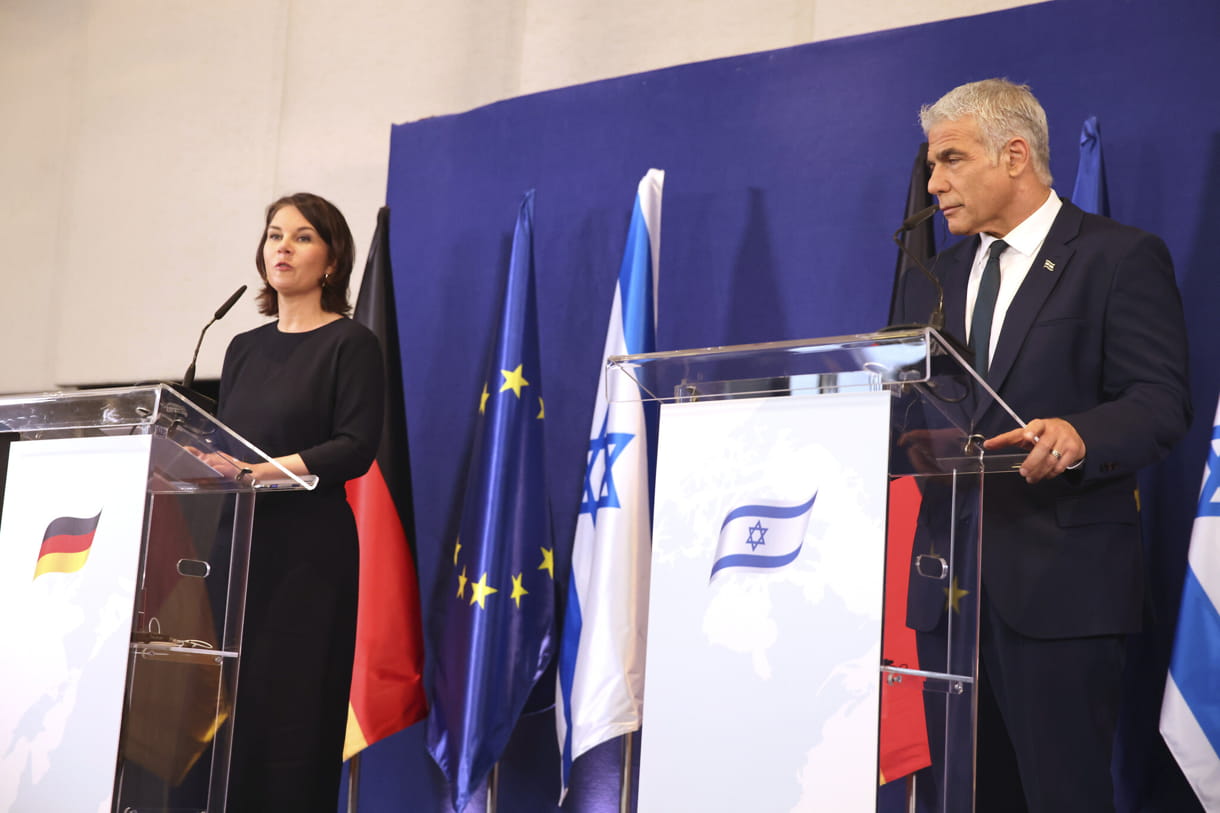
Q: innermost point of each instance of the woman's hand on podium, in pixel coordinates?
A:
(223, 464)
(240, 470)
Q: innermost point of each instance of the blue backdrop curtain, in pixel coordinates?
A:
(786, 173)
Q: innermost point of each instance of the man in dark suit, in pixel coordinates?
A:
(1077, 325)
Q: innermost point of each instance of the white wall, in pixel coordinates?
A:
(141, 139)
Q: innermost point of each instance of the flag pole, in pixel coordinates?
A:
(624, 799)
(353, 783)
(493, 788)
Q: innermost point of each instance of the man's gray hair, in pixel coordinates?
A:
(1002, 110)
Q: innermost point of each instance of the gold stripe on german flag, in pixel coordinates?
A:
(66, 544)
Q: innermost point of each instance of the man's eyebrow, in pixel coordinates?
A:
(947, 152)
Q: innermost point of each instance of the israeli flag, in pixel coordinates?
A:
(601, 661)
(1190, 710)
(761, 537)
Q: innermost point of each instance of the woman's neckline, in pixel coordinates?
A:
(280, 329)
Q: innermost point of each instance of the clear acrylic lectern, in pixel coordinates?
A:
(160, 733)
(936, 401)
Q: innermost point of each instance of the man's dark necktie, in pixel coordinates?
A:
(984, 307)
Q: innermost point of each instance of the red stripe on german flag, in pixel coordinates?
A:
(66, 544)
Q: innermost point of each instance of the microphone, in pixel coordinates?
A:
(937, 318)
(188, 380)
(917, 218)
(228, 305)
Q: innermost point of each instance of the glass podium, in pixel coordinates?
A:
(169, 694)
(936, 399)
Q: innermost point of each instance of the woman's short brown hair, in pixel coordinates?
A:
(328, 222)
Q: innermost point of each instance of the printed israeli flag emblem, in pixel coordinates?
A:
(761, 537)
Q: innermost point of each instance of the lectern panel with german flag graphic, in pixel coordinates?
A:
(124, 540)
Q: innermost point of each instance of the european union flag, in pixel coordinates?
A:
(497, 630)
(1090, 191)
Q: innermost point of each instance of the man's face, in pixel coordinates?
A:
(974, 193)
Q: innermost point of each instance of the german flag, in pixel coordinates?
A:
(66, 544)
(387, 693)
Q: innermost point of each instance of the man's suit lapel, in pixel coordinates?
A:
(1050, 264)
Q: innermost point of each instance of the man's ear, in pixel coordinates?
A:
(1015, 156)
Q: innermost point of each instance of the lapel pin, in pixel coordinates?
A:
(1048, 265)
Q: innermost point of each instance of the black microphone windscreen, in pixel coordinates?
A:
(229, 303)
(919, 217)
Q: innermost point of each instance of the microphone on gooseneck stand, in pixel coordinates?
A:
(937, 317)
(188, 380)
(915, 219)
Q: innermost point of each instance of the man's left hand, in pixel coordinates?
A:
(1053, 444)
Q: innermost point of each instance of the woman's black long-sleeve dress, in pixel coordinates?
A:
(318, 394)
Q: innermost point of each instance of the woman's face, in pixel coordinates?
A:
(294, 255)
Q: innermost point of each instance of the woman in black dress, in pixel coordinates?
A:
(307, 390)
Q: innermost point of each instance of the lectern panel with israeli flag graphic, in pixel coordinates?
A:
(124, 542)
(765, 668)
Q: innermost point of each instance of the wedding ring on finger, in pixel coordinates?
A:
(1055, 453)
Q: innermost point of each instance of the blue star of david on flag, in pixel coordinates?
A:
(600, 492)
(743, 528)
(1208, 504)
(762, 535)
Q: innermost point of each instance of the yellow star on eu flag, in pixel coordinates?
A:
(483, 399)
(514, 380)
(518, 590)
(462, 583)
(953, 595)
(480, 590)
(548, 561)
